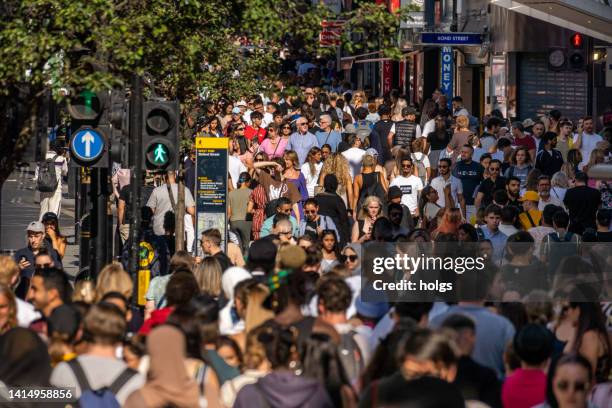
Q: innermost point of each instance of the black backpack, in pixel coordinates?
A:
(47, 176)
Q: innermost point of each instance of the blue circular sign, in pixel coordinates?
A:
(87, 145)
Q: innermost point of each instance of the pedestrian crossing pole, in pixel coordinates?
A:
(135, 151)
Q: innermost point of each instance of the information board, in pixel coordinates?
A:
(211, 185)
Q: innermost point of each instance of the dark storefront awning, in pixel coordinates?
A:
(590, 17)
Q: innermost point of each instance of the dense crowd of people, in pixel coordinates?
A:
(276, 317)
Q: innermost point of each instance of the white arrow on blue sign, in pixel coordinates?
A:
(87, 145)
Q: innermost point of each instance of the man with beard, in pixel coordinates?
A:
(549, 160)
(445, 178)
(513, 189)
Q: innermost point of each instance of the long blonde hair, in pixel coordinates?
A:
(338, 165)
(208, 275)
(12, 305)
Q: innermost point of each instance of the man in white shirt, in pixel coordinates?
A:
(586, 140)
(458, 109)
(410, 185)
(445, 178)
(354, 155)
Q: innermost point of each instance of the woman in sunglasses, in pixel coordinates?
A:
(569, 383)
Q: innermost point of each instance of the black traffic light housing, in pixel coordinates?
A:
(160, 141)
(87, 110)
(577, 58)
(119, 111)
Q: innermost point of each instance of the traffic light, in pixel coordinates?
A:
(89, 128)
(119, 111)
(577, 56)
(160, 139)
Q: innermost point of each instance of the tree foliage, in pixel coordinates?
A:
(182, 47)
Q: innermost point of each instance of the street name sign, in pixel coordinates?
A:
(443, 39)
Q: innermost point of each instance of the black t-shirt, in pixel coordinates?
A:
(383, 127)
(582, 203)
(488, 187)
(311, 229)
(470, 176)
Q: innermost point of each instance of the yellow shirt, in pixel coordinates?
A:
(536, 215)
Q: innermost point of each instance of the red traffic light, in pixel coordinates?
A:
(577, 40)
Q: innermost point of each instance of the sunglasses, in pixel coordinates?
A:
(286, 127)
(240, 128)
(42, 266)
(310, 211)
(352, 258)
(406, 165)
(302, 124)
(578, 386)
(493, 168)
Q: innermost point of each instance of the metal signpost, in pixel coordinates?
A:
(211, 185)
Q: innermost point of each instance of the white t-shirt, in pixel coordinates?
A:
(410, 186)
(267, 119)
(26, 313)
(354, 155)
(439, 183)
(429, 127)
(234, 168)
(311, 180)
(589, 142)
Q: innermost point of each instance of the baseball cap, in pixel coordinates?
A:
(236, 111)
(408, 110)
(36, 226)
(373, 310)
(372, 152)
(528, 123)
(530, 196)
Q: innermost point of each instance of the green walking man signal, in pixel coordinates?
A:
(160, 152)
(158, 155)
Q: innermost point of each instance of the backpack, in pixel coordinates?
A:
(47, 176)
(351, 356)
(363, 131)
(104, 397)
(421, 170)
(556, 253)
